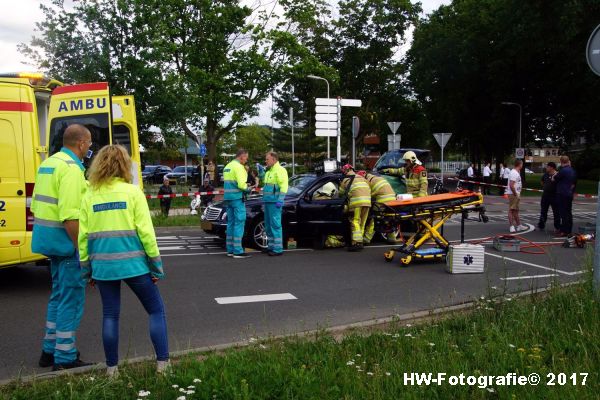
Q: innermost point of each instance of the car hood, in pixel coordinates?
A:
(256, 200)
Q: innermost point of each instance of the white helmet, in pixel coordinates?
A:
(410, 155)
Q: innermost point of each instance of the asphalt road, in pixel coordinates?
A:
(330, 287)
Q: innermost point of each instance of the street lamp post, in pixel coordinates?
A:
(327, 82)
(510, 103)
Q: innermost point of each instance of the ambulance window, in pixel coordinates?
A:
(122, 136)
(96, 123)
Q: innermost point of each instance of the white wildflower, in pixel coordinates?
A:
(190, 392)
(351, 362)
(432, 344)
(262, 346)
(181, 398)
(512, 346)
(370, 373)
(387, 374)
(143, 393)
(175, 386)
(196, 380)
(191, 387)
(491, 390)
(181, 390)
(358, 355)
(252, 340)
(408, 335)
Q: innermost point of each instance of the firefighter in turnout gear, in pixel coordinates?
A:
(359, 204)
(415, 172)
(381, 192)
(59, 187)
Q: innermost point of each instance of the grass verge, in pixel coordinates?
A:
(551, 333)
(176, 220)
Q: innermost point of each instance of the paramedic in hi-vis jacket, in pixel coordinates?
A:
(235, 187)
(117, 243)
(59, 187)
(359, 204)
(274, 191)
(416, 174)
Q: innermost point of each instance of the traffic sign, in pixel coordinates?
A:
(326, 117)
(326, 132)
(593, 51)
(326, 109)
(321, 101)
(520, 152)
(442, 138)
(355, 127)
(394, 126)
(351, 103)
(326, 124)
(203, 150)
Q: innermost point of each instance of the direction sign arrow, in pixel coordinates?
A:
(326, 110)
(326, 132)
(442, 138)
(320, 101)
(593, 51)
(394, 126)
(326, 125)
(326, 117)
(351, 103)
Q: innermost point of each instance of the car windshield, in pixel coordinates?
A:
(150, 168)
(298, 183)
(181, 169)
(390, 159)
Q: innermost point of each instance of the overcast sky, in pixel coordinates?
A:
(17, 25)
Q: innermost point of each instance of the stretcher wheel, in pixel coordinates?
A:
(485, 219)
(406, 260)
(389, 255)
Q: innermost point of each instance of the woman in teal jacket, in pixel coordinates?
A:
(117, 243)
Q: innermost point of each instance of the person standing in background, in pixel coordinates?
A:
(514, 198)
(504, 176)
(165, 202)
(487, 178)
(549, 198)
(566, 180)
(274, 191)
(470, 177)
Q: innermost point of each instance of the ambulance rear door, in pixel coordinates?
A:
(125, 132)
(87, 104)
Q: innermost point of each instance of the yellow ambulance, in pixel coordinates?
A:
(34, 113)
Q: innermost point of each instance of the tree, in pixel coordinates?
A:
(472, 55)
(254, 138)
(193, 64)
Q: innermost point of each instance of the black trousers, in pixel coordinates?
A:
(165, 207)
(486, 189)
(565, 210)
(547, 202)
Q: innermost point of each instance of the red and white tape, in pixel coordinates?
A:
(190, 194)
(587, 196)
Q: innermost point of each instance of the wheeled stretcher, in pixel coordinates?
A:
(429, 213)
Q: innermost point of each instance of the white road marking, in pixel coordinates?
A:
(528, 277)
(531, 264)
(255, 299)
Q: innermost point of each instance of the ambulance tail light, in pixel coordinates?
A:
(28, 213)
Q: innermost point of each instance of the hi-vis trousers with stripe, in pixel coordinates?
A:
(358, 220)
(65, 308)
(236, 221)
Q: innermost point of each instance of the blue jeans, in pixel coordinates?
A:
(65, 308)
(148, 294)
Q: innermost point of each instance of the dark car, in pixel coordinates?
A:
(393, 159)
(312, 209)
(178, 175)
(155, 173)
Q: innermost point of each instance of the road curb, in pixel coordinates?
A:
(335, 330)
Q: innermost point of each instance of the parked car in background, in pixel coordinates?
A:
(528, 171)
(154, 173)
(178, 175)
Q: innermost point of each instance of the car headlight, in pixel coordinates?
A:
(224, 217)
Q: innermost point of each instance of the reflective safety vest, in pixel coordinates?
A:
(416, 179)
(359, 192)
(116, 236)
(275, 184)
(59, 186)
(234, 180)
(381, 190)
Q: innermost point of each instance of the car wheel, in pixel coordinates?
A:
(257, 236)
